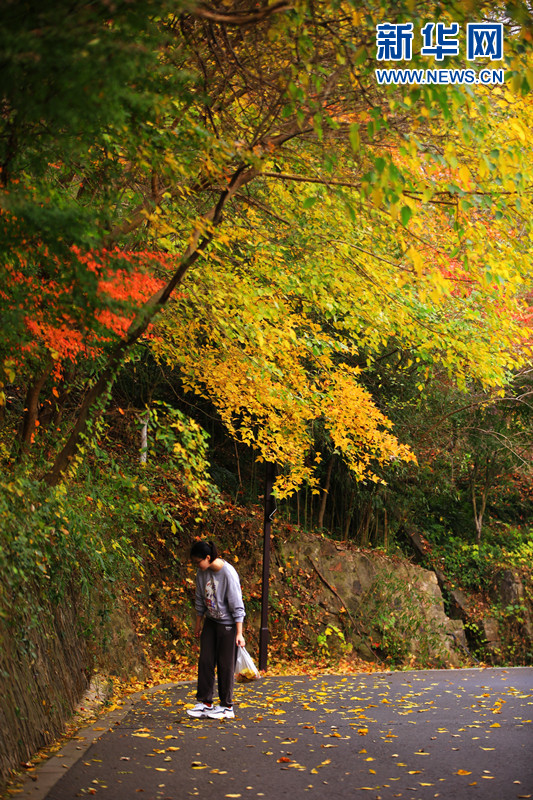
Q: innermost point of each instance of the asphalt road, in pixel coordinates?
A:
(453, 734)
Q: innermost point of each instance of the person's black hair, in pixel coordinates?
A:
(201, 549)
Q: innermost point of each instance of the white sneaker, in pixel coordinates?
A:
(200, 710)
(221, 712)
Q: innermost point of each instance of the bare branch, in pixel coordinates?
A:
(248, 18)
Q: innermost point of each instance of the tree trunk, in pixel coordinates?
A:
(365, 524)
(252, 479)
(144, 436)
(348, 522)
(479, 508)
(325, 492)
(478, 515)
(239, 487)
(31, 413)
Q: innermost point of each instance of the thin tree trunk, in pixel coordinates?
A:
(347, 523)
(144, 436)
(478, 514)
(479, 510)
(31, 412)
(325, 492)
(239, 487)
(252, 479)
(349, 515)
(367, 516)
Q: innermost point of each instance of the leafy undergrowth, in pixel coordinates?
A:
(495, 578)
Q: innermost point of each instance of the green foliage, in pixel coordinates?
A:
(521, 555)
(55, 540)
(332, 641)
(472, 566)
(89, 535)
(79, 73)
(514, 623)
(481, 570)
(186, 445)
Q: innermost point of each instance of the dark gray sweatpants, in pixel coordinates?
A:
(217, 649)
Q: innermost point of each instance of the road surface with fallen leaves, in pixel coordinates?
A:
(453, 734)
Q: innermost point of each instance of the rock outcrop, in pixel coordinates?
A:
(389, 603)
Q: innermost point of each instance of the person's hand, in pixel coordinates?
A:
(239, 640)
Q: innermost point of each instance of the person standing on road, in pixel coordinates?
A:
(219, 618)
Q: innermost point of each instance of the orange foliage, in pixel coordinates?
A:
(124, 281)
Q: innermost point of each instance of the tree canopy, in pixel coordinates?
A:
(309, 216)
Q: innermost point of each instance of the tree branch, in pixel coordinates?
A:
(250, 17)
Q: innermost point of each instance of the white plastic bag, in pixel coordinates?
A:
(245, 669)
